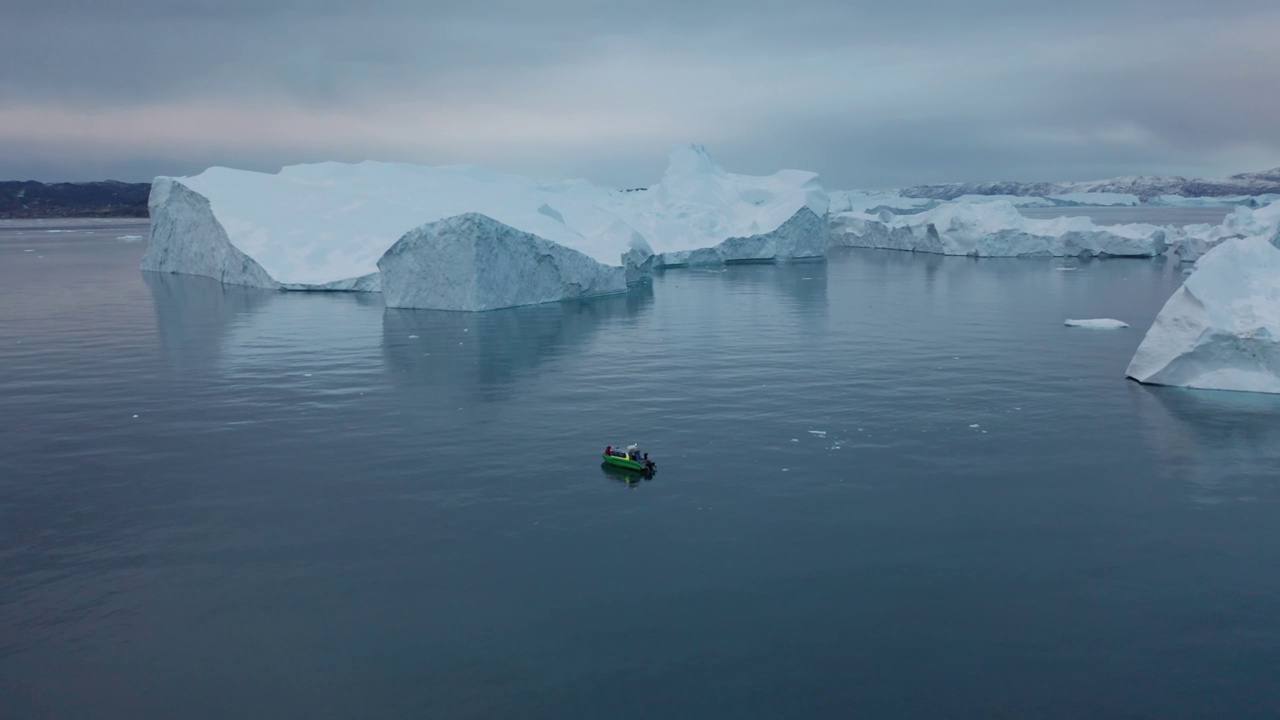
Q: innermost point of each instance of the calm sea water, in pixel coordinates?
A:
(890, 486)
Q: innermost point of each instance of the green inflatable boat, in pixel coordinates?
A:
(629, 459)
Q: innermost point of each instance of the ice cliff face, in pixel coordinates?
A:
(993, 229)
(187, 238)
(473, 262)
(1221, 329)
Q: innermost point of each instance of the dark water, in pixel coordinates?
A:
(890, 486)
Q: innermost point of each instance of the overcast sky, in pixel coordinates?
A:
(868, 94)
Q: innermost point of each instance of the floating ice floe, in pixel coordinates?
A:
(1097, 324)
(1221, 329)
(994, 229)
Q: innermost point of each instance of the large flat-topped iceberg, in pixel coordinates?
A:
(324, 226)
(1221, 329)
(994, 229)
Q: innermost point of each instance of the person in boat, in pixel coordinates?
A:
(608, 450)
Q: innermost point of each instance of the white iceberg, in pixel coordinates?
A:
(1095, 199)
(698, 214)
(326, 226)
(994, 229)
(1221, 329)
(1191, 242)
(1097, 323)
(473, 262)
(1227, 200)
(873, 202)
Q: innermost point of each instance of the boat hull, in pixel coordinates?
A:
(624, 463)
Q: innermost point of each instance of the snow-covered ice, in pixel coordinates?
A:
(1097, 323)
(994, 229)
(1242, 200)
(326, 226)
(698, 214)
(1191, 242)
(1221, 329)
(872, 202)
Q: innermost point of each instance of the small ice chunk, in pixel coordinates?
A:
(1097, 324)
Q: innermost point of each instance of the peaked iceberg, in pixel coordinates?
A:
(698, 214)
(1221, 329)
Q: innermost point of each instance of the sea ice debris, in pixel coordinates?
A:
(1097, 323)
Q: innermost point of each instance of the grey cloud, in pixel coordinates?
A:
(1015, 82)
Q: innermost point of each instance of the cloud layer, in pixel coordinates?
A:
(870, 95)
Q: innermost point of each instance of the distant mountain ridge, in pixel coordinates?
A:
(108, 198)
(1144, 186)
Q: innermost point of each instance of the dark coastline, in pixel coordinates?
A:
(105, 199)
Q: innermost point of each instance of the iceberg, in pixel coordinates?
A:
(330, 226)
(698, 214)
(872, 202)
(1193, 241)
(473, 262)
(1228, 200)
(324, 226)
(1097, 323)
(994, 229)
(1098, 199)
(1221, 329)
